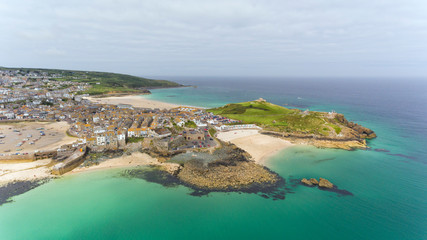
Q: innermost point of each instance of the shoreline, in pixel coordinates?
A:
(259, 146)
(135, 159)
(30, 175)
(134, 100)
(138, 100)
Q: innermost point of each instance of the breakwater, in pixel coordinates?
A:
(71, 162)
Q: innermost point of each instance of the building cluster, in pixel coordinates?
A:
(27, 95)
(36, 88)
(103, 126)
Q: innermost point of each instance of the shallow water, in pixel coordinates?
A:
(388, 186)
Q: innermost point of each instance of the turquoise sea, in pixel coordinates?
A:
(389, 184)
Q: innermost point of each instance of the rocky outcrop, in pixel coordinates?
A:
(314, 181)
(172, 168)
(362, 131)
(222, 177)
(307, 182)
(324, 183)
(227, 168)
(345, 143)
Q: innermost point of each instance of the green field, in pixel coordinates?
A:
(103, 82)
(277, 118)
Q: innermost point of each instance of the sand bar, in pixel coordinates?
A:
(259, 146)
(136, 101)
(24, 171)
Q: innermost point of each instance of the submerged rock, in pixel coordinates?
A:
(324, 183)
(15, 188)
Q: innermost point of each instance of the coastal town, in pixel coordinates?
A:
(36, 96)
(52, 123)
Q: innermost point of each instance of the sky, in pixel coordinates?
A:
(304, 38)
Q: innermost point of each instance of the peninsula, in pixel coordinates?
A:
(321, 129)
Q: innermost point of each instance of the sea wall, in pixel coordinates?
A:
(71, 162)
(26, 158)
(25, 120)
(29, 157)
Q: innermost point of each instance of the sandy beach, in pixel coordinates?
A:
(55, 136)
(136, 101)
(259, 146)
(133, 160)
(14, 171)
(28, 171)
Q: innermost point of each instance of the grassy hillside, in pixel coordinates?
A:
(277, 118)
(108, 82)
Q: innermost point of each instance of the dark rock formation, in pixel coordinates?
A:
(221, 177)
(362, 131)
(18, 187)
(228, 167)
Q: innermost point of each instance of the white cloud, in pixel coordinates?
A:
(53, 52)
(199, 37)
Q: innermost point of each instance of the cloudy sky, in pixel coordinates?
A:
(381, 38)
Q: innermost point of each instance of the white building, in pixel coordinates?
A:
(100, 140)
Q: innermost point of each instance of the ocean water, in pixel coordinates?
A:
(389, 188)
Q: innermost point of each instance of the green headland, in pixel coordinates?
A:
(101, 82)
(296, 124)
